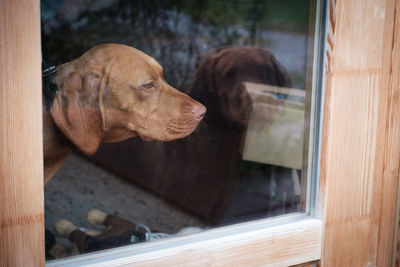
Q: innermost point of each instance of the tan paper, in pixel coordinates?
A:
(276, 128)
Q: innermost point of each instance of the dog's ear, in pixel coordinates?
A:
(199, 85)
(203, 80)
(281, 75)
(203, 87)
(77, 109)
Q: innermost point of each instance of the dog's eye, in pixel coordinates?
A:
(231, 74)
(148, 86)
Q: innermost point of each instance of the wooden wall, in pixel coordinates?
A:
(21, 158)
(360, 143)
(361, 129)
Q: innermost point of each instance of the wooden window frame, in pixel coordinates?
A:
(284, 241)
(359, 166)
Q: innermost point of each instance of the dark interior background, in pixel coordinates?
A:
(179, 35)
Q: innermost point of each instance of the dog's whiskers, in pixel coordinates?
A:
(179, 127)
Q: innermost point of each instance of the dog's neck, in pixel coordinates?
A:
(56, 147)
(49, 91)
(55, 151)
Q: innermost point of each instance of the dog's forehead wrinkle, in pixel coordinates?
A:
(141, 61)
(136, 77)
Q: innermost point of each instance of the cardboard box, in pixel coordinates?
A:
(275, 131)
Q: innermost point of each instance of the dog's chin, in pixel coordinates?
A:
(169, 135)
(146, 138)
(182, 134)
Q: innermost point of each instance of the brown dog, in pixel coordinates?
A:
(219, 82)
(111, 93)
(201, 172)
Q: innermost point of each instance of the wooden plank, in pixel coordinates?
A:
(392, 156)
(395, 117)
(360, 150)
(21, 158)
(283, 241)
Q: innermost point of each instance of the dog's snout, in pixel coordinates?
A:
(198, 111)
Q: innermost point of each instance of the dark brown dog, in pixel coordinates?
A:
(111, 93)
(219, 82)
(201, 172)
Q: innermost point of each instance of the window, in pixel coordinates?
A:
(257, 70)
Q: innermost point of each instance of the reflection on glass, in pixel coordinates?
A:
(245, 61)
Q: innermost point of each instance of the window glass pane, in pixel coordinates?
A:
(171, 117)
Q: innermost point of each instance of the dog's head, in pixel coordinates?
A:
(219, 82)
(114, 92)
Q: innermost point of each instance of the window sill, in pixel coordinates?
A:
(281, 241)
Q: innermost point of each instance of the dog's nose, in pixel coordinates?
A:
(199, 111)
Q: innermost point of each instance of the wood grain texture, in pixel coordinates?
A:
(21, 157)
(395, 114)
(392, 156)
(272, 242)
(360, 141)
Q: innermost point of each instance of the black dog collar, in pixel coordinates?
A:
(49, 91)
(49, 85)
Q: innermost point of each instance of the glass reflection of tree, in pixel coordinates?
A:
(175, 32)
